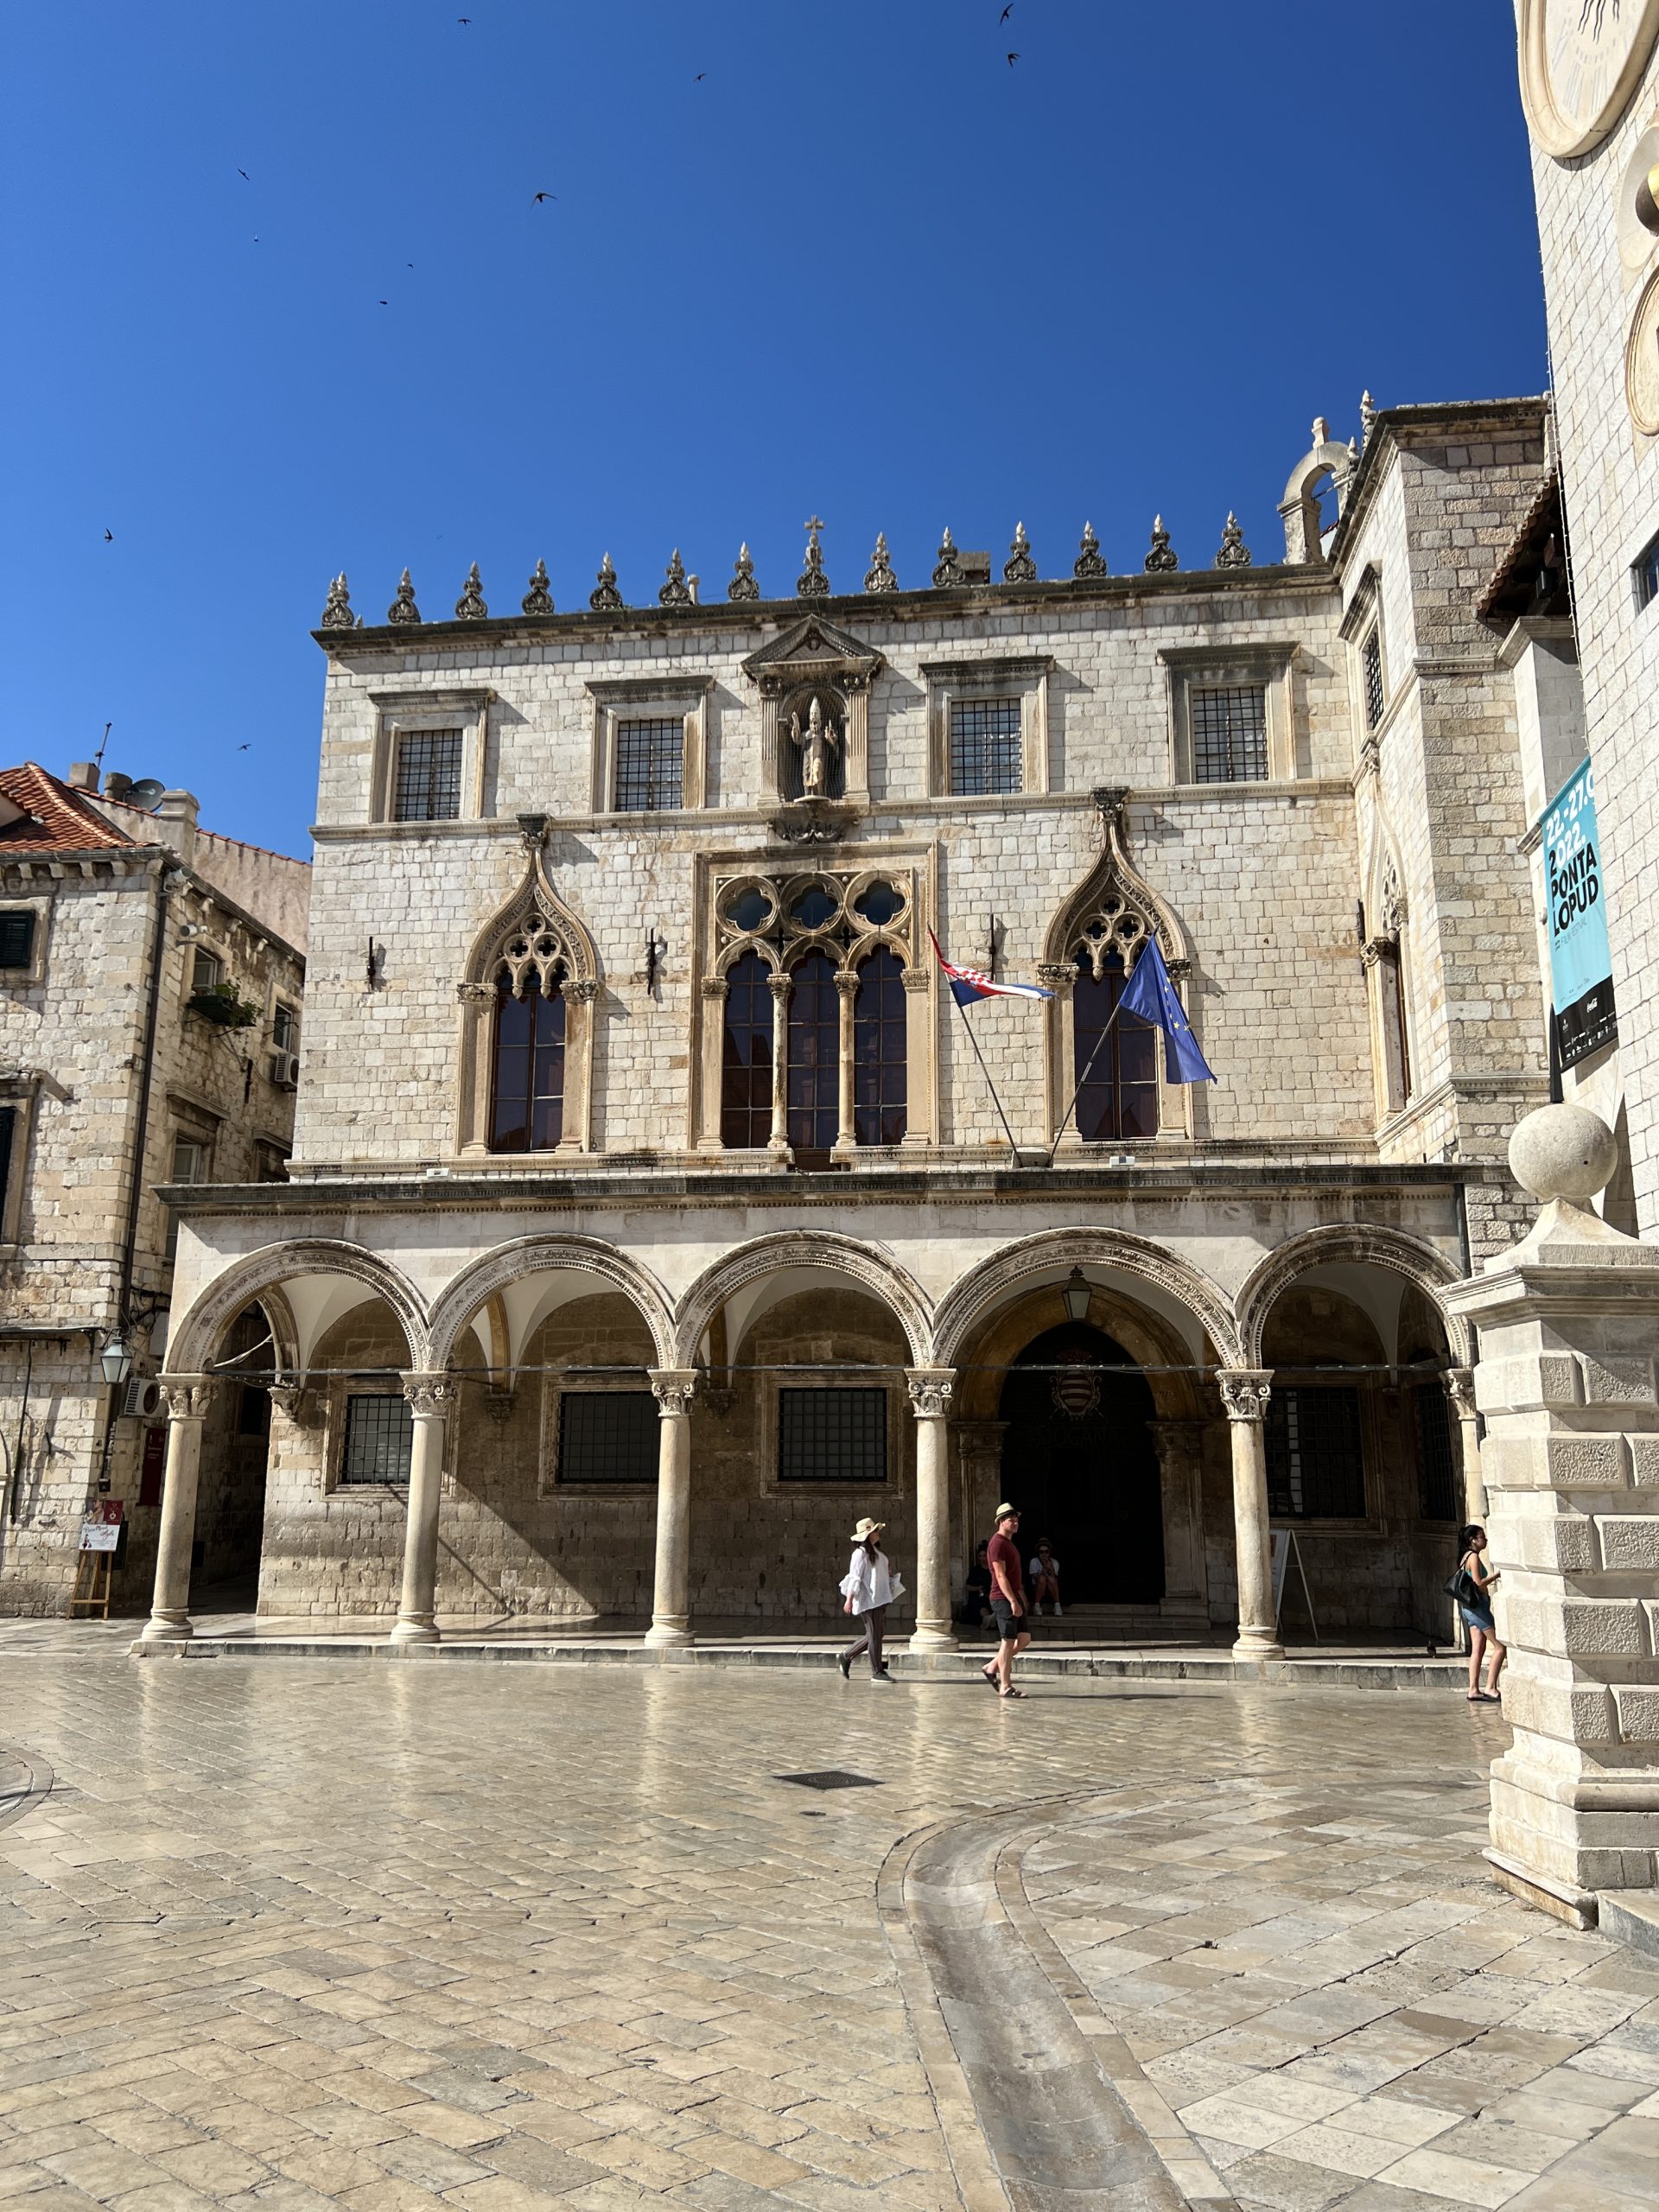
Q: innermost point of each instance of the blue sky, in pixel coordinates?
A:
(866, 267)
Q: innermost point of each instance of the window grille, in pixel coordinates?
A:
(379, 1438)
(607, 1436)
(985, 745)
(1437, 1486)
(812, 1076)
(1120, 1098)
(1644, 576)
(1315, 1470)
(746, 1069)
(880, 1033)
(527, 1103)
(16, 937)
(832, 1436)
(1229, 734)
(206, 971)
(650, 763)
(428, 776)
(1372, 664)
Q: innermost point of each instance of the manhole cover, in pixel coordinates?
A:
(831, 1778)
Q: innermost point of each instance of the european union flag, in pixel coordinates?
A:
(1150, 994)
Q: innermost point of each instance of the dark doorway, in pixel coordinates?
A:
(1078, 1461)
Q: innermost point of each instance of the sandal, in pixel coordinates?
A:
(989, 1675)
(1011, 1692)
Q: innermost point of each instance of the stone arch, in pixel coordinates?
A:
(190, 1346)
(1114, 878)
(534, 932)
(1364, 1243)
(973, 1297)
(990, 1345)
(1300, 508)
(824, 1251)
(461, 1299)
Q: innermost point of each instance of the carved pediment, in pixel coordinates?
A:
(814, 647)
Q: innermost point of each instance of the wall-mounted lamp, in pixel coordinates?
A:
(1076, 1295)
(116, 1361)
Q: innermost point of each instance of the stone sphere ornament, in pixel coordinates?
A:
(1563, 1151)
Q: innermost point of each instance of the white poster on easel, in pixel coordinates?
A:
(1285, 1548)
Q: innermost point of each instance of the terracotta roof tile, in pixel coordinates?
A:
(58, 820)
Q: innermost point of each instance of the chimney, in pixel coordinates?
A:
(115, 785)
(176, 817)
(976, 567)
(83, 776)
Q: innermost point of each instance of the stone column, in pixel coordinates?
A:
(780, 986)
(188, 1397)
(930, 1401)
(711, 1063)
(1460, 1384)
(1569, 1326)
(846, 999)
(1180, 1467)
(1244, 1392)
(670, 1603)
(429, 1397)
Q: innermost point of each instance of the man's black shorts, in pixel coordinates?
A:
(1009, 1624)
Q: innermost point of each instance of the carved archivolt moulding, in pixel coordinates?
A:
(1367, 1244)
(873, 1271)
(1113, 908)
(457, 1303)
(200, 1331)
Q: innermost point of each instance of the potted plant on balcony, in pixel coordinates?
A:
(220, 1004)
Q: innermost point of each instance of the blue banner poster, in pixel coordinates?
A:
(1580, 967)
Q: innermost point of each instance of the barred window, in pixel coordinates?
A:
(607, 1436)
(832, 1436)
(379, 1438)
(881, 1035)
(985, 745)
(650, 762)
(1314, 1468)
(527, 1101)
(1371, 657)
(1436, 1467)
(428, 776)
(17, 937)
(1229, 734)
(812, 1042)
(745, 1062)
(1114, 1062)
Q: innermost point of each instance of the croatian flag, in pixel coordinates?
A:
(968, 984)
(1150, 994)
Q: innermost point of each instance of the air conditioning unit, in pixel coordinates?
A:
(143, 1398)
(285, 1070)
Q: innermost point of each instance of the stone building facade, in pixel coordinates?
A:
(150, 992)
(652, 1214)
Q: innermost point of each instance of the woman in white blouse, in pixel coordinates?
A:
(868, 1587)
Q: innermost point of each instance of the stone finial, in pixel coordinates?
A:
(1019, 568)
(470, 606)
(1321, 431)
(1563, 1151)
(606, 599)
(1089, 563)
(947, 574)
(1160, 560)
(1234, 553)
(813, 584)
(403, 609)
(1367, 419)
(1353, 454)
(538, 600)
(743, 585)
(674, 590)
(879, 575)
(337, 613)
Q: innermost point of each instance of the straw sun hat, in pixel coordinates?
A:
(868, 1529)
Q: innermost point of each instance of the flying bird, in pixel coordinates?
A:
(701, 74)
(385, 303)
(1005, 13)
(243, 748)
(243, 173)
(1013, 58)
(540, 196)
(109, 537)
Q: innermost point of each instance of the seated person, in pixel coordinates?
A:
(1044, 1575)
(975, 1608)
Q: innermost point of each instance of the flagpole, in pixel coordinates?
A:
(1012, 1148)
(1089, 1069)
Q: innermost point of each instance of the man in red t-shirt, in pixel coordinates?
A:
(1007, 1601)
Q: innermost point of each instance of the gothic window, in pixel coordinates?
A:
(650, 763)
(427, 786)
(879, 1027)
(987, 745)
(527, 1105)
(1230, 733)
(745, 1067)
(1119, 1076)
(1315, 1470)
(1370, 662)
(812, 1061)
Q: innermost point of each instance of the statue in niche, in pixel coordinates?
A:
(818, 743)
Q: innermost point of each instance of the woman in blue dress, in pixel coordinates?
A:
(1475, 1604)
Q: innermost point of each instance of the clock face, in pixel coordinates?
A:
(1580, 62)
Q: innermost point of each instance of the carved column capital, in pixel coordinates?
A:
(297, 1402)
(474, 994)
(429, 1394)
(1060, 977)
(916, 979)
(780, 984)
(188, 1397)
(1376, 949)
(930, 1389)
(847, 982)
(1245, 1392)
(674, 1389)
(532, 831)
(714, 987)
(582, 988)
(1458, 1383)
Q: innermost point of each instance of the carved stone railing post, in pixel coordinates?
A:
(1569, 1329)
(429, 1399)
(670, 1605)
(188, 1397)
(930, 1401)
(1244, 1392)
